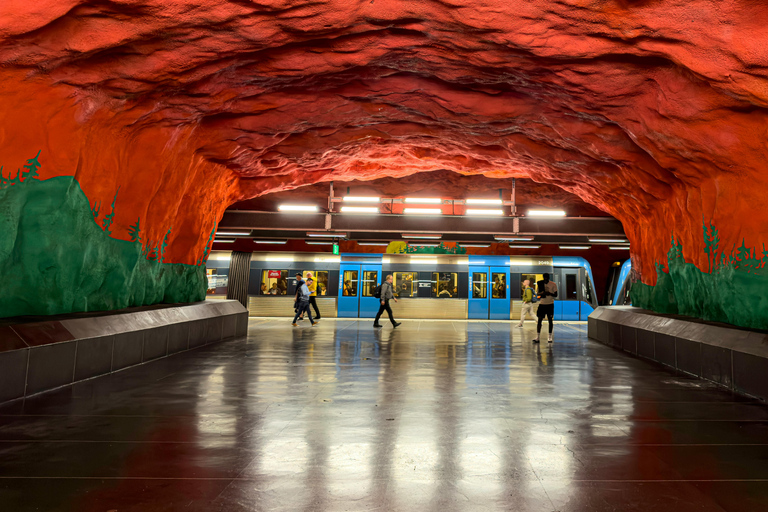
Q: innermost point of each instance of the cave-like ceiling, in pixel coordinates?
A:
(652, 111)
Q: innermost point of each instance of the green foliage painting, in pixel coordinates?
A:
(735, 290)
(59, 259)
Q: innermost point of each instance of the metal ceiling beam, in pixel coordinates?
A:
(276, 225)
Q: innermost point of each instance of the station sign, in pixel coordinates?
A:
(274, 273)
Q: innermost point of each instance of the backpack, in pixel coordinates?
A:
(377, 292)
(534, 297)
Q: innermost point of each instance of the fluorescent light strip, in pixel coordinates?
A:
(359, 199)
(297, 208)
(270, 241)
(426, 235)
(427, 244)
(224, 241)
(328, 235)
(484, 201)
(423, 200)
(623, 248)
(423, 211)
(513, 238)
(232, 233)
(546, 213)
(524, 246)
(474, 245)
(475, 211)
(576, 247)
(373, 243)
(608, 240)
(318, 242)
(359, 209)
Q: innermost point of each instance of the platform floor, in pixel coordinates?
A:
(432, 416)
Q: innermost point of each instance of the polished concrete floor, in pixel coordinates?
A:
(433, 416)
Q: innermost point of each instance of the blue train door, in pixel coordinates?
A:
(479, 293)
(568, 293)
(357, 284)
(500, 293)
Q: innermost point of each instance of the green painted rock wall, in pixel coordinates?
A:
(54, 258)
(735, 292)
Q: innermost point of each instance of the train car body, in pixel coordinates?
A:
(621, 296)
(427, 286)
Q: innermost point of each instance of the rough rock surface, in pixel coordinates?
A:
(653, 111)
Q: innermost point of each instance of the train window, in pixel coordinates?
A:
(321, 280)
(479, 285)
(586, 288)
(350, 283)
(370, 282)
(406, 284)
(274, 282)
(445, 285)
(532, 278)
(499, 290)
(571, 293)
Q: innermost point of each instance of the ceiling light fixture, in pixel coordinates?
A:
(297, 208)
(576, 247)
(423, 211)
(608, 240)
(423, 200)
(328, 235)
(476, 211)
(424, 235)
(318, 242)
(524, 246)
(270, 241)
(359, 209)
(506, 238)
(232, 233)
(474, 245)
(360, 199)
(224, 241)
(373, 243)
(546, 213)
(425, 244)
(484, 201)
(622, 248)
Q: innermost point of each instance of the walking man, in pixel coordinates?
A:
(304, 303)
(313, 293)
(527, 308)
(387, 294)
(297, 297)
(547, 292)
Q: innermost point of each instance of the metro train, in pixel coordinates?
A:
(427, 286)
(619, 283)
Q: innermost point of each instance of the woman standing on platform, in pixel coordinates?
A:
(547, 292)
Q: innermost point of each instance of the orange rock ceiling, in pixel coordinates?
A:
(652, 111)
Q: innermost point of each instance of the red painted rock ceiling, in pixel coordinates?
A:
(652, 111)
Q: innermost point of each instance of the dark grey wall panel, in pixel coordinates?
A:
(665, 349)
(94, 357)
(50, 366)
(213, 329)
(229, 327)
(128, 349)
(645, 343)
(13, 374)
(178, 337)
(155, 343)
(750, 374)
(716, 364)
(242, 324)
(688, 355)
(197, 331)
(629, 339)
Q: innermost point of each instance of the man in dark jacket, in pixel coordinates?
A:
(387, 294)
(297, 296)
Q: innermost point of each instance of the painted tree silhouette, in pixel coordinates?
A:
(711, 241)
(31, 167)
(107, 222)
(135, 231)
(164, 245)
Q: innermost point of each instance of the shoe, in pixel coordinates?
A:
(295, 324)
(536, 340)
(519, 325)
(396, 324)
(550, 339)
(314, 324)
(317, 317)
(377, 325)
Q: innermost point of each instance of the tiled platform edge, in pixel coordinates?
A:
(733, 358)
(43, 355)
